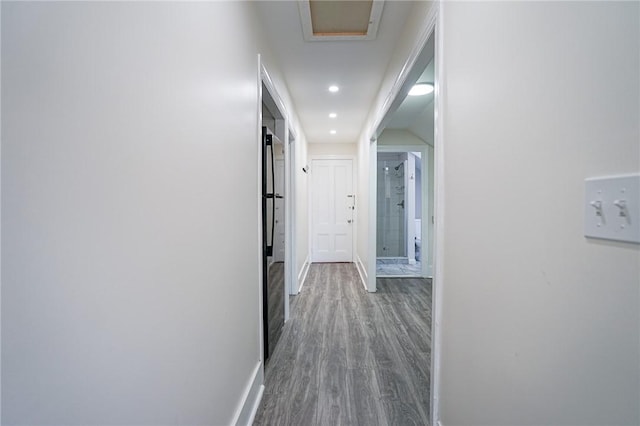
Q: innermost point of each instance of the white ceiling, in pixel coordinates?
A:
(415, 113)
(309, 68)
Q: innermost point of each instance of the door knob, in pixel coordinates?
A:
(349, 221)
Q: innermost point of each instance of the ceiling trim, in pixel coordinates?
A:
(304, 7)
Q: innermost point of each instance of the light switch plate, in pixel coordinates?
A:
(612, 208)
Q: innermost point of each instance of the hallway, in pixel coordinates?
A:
(351, 357)
(131, 268)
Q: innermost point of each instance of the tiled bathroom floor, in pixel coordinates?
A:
(395, 269)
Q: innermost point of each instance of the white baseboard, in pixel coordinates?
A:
(303, 273)
(256, 405)
(246, 412)
(362, 272)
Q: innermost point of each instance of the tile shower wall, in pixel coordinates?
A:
(391, 213)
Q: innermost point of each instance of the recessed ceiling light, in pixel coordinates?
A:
(333, 132)
(334, 88)
(333, 115)
(421, 89)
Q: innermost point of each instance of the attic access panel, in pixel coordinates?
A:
(335, 20)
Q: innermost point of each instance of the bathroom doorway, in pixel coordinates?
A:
(403, 172)
(399, 214)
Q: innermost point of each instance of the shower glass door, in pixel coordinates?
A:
(398, 213)
(391, 218)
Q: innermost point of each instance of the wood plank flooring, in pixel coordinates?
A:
(348, 357)
(275, 304)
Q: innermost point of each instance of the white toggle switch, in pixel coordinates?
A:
(622, 205)
(612, 208)
(597, 204)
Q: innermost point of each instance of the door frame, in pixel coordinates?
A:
(283, 125)
(281, 161)
(291, 275)
(354, 174)
(432, 26)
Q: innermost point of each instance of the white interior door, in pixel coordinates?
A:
(332, 210)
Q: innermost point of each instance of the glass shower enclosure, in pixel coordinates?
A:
(391, 222)
(398, 217)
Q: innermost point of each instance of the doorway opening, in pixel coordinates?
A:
(410, 124)
(274, 181)
(402, 160)
(399, 214)
(404, 225)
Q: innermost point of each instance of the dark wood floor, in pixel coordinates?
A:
(350, 357)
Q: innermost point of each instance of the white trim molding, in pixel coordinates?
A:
(259, 210)
(302, 276)
(439, 215)
(290, 216)
(265, 79)
(362, 271)
(372, 213)
(251, 398)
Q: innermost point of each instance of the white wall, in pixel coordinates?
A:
(399, 137)
(428, 216)
(0, 220)
(332, 149)
(423, 126)
(362, 206)
(540, 325)
(130, 286)
(302, 182)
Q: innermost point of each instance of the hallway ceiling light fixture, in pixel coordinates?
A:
(421, 89)
(333, 88)
(333, 115)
